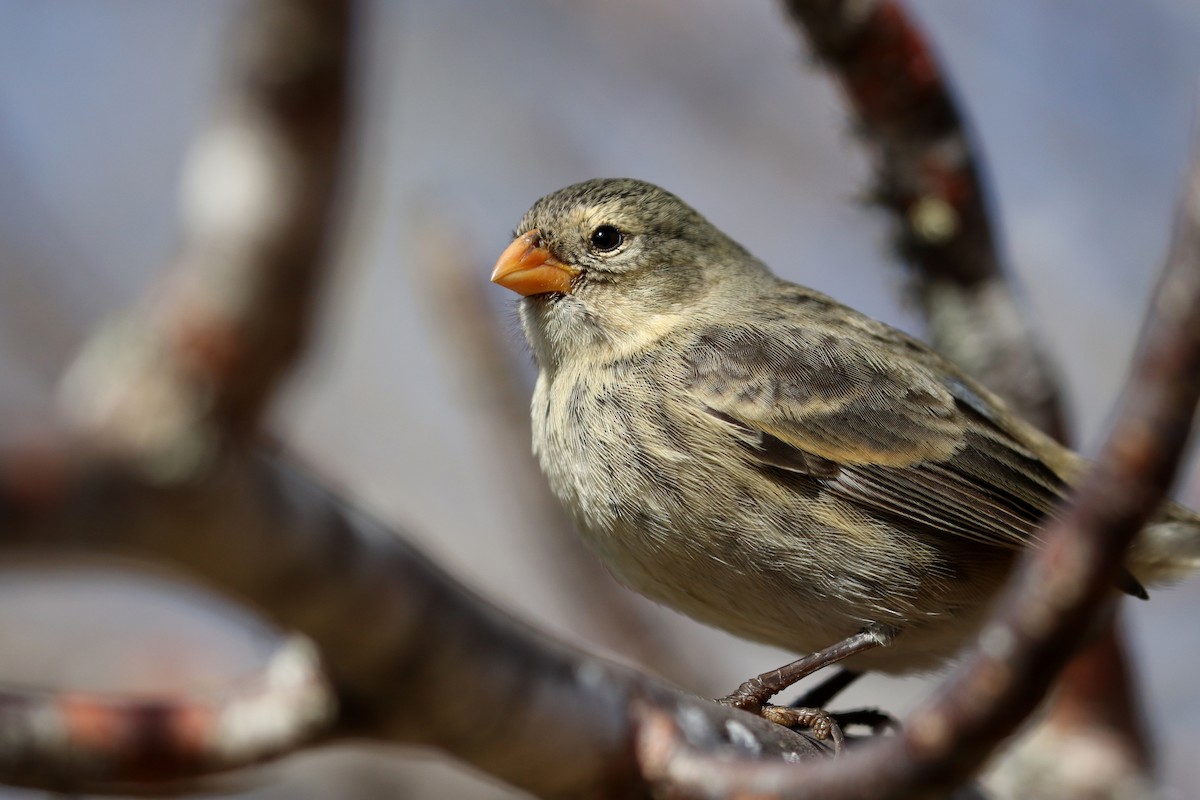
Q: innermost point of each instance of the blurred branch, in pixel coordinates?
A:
(1053, 601)
(1086, 722)
(928, 176)
(168, 387)
(69, 739)
(475, 339)
(412, 656)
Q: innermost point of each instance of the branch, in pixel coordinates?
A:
(412, 656)
(927, 175)
(170, 386)
(1054, 600)
(1092, 718)
(65, 740)
(166, 390)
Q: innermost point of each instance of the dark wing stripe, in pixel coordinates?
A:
(936, 498)
(871, 493)
(983, 492)
(886, 434)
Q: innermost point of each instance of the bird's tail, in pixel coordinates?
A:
(1168, 549)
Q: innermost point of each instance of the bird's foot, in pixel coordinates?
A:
(753, 695)
(824, 726)
(807, 711)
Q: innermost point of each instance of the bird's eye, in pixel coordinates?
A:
(606, 238)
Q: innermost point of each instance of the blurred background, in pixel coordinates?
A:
(1086, 110)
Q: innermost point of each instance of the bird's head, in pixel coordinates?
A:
(609, 264)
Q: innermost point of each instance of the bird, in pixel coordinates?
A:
(767, 460)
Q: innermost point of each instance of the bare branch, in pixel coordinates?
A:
(70, 739)
(412, 656)
(1092, 718)
(1057, 593)
(928, 176)
(170, 386)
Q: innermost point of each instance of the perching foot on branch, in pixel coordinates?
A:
(753, 695)
(808, 711)
(829, 725)
(822, 724)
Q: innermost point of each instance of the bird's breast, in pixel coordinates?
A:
(609, 447)
(662, 492)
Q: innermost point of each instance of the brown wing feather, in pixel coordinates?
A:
(885, 433)
(891, 435)
(825, 394)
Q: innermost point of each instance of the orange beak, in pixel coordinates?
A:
(527, 268)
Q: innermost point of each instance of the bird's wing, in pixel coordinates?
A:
(875, 427)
